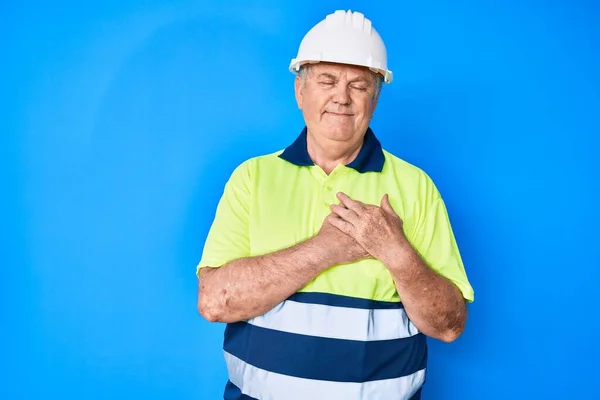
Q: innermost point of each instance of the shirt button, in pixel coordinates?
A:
(329, 188)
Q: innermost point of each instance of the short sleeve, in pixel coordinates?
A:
(228, 237)
(434, 240)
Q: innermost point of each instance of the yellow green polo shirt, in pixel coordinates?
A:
(274, 201)
(277, 200)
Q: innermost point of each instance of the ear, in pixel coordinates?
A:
(298, 91)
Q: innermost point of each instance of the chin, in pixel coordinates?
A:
(340, 136)
(339, 133)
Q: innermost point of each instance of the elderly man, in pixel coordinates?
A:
(333, 260)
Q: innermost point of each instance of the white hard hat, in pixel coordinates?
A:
(345, 38)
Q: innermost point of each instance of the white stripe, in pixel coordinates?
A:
(265, 385)
(337, 322)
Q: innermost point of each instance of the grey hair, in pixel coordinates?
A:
(305, 69)
(303, 72)
(378, 85)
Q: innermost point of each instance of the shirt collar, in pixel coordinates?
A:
(370, 158)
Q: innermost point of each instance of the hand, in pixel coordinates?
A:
(377, 229)
(340, 248)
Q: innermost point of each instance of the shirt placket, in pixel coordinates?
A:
(327, 196)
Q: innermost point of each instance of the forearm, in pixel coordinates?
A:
(248, 287)
(434, 304)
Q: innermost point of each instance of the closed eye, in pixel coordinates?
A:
(326, 83)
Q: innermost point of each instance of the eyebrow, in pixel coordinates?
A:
(355, 80)
(327, 75)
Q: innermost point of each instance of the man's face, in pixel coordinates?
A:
(337, 100)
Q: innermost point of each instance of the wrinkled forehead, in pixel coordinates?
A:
(349, 72)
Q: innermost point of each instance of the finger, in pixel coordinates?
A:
(385, 204)
(353, 205)
(344, 213)
(387, 207)
(339, 223)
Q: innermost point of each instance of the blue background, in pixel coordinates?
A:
(121, 120)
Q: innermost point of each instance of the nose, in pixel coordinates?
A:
(341, 95)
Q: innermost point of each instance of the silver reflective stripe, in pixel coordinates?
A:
(265, 385)
(337, 322)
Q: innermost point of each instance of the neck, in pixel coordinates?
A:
(328, 154)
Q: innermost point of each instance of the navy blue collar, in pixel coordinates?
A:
(370, 157)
